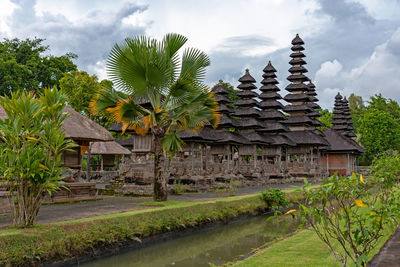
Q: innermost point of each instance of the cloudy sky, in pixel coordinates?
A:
(351, 45)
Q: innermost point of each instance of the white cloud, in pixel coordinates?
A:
(207, 27)
(6, 10)
(380, 73)
(328, 69)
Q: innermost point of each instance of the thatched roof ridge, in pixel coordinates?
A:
(267, 104)
(270, 95)
(340, 143)
(247, 94)
(108, 148)
(272, 114)
(296, 108)
(247, 78)
(297, 77)
(298, 69)
(222, 99)
(296, 87)
(246, 103)
(306, 138)
(296, 97)
(297, 54)
(79, 127)
(297, 61)
(298, 120)
(297, 40)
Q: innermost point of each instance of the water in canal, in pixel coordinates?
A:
(218, 245)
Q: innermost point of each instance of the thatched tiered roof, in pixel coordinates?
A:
(248, 111)
(298, 96)
(341, 119)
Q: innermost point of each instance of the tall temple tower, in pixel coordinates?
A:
(270, 107)
(341, 119)
(299, 119)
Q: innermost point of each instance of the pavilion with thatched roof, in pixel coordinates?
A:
(109, 152)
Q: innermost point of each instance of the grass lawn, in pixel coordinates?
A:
(302, 249)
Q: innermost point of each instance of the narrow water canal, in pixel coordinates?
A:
(218, 245)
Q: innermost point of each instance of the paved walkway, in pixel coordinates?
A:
(389, 256)
(109, 205)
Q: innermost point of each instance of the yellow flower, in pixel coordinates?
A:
(378, 219)
(372, 213)
(31, 138)
(290, 211)
(360, 203)
(43, 167)
(362, 179)
(353, 175)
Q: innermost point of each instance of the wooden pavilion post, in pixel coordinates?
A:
(102, 163)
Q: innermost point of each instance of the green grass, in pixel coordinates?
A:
(302, 249)
(70, 239)
(161, 204)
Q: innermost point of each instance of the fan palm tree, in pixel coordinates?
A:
(171, 85)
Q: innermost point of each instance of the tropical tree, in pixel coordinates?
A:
(31, 145)
(26, 65)
(176, 99)
(325, 119)
(80, 88)
(380, 132)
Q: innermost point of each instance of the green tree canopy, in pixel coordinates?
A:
(325, 119)
(357, 109)
(380, 132)
(390, 106)
(23, 66)
(80, 88)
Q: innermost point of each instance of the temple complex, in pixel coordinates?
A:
(259, 140)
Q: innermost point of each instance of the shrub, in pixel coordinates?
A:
(274, 197)
(352, 211)
(31, 145)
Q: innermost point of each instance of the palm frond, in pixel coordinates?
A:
(106, 98)
(194, 63)
(172, 143)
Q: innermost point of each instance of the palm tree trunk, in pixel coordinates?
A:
(160, 183)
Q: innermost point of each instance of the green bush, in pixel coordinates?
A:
(274, 197)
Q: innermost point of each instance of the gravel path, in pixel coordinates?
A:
(109, 205)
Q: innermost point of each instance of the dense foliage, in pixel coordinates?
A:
(274, 197)
(80, 88)
(32, 142)
(354, 210)
(166, 94)
(379, 133)
(325, 119)
(23, 66)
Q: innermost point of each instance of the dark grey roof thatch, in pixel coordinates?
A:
(338, 142)
(297, 40)
(267, 104)
(296, 87)
(298, 120)
(297, 108)
(296, 97)
(306, 138)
